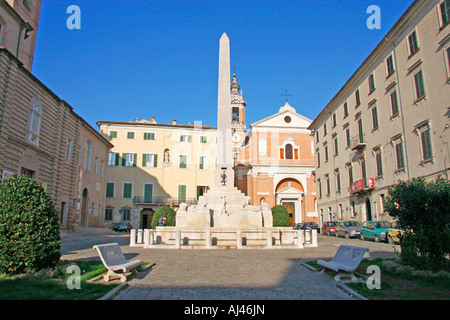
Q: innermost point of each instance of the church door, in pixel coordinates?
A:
(290, 206)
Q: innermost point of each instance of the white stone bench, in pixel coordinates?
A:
(114, 260)
(346, 260)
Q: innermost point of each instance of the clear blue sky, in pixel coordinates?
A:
(160, 58)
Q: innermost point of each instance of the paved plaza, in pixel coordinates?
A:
(186, 274)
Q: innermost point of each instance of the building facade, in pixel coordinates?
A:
(276, 164)
(40, 135)
(390, 121)
(153, 165)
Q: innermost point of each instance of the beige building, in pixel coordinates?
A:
(153, 165)
(390, 121)
(40, 134)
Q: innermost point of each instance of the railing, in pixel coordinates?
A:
(164, 201)
(267, 238)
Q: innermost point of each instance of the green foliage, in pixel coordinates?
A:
(167, 212)
(29, 227)
(280, 217)
(422, 209)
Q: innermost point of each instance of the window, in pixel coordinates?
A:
(390, 65)
(109, 214)
(113, 159)
(327, 178)
(69, 149)
(345, 110)
(324, 129)
(358, 98)
(129, 160)
(326, 152)
(88, 157)
(399, 156)
(335, 143)
(34, 122)
(113, 134)
(182, 162)
(202, 163)
(182, 192)
(126, 214)
(334, 120)
(102, 168)
(148, 192)
(318, 158)
(320, 188)
(374, 118)
(110, 189)
(350, 172)
(289, 152)
(203, 139)
(130, 135)
(185, 138)
(394, 103)
(371, 83)
(235, 116)
(445, 11)
(363, 170)
(96, 165)
(347, 137)
(413, 43)
(360, 131)
(149, 160)
(127, 190)
(338, 180)
(149, 136)
(378, 157)
(425, 141)
(419, 85)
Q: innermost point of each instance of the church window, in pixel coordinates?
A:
(34, 123)
(287, 119)
(88, 159)
(288, 150)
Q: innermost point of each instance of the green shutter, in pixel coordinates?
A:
(181, 192)
(134, 159)
(155, 164)
(124, 159)
(144, 160)
(148, 193)
(117, 160)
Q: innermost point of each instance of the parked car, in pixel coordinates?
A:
(121, 226)
(307, 226)
(348, 229)
(394, 232)
(329, 227)
(374, 230)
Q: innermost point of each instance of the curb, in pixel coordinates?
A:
(114, 292)
(350, 291)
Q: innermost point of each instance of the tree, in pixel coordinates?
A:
(281, 217)
(167, 212)
(422, 210)
(29, 227)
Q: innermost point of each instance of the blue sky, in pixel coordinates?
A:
(160, 58)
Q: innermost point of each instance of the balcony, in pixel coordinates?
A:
(160, 201)
(362, 185)
(357, 143)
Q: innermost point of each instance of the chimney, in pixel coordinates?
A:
(174, 122)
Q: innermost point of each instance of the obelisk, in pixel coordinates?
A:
(224, 174)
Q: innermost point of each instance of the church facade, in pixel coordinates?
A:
(276, 164)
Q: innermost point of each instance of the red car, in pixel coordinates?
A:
(329, 227)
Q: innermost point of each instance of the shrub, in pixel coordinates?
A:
(280, 217)
(422, 210)
(29, 227)
(167, 212)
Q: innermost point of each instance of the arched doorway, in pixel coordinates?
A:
(84, 207)
(289, 194)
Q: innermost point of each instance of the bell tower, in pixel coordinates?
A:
(238, 125)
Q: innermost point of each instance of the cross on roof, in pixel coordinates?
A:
(234, 69)
(286, 95)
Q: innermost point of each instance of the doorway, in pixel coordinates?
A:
(290, 207)
(368, 210)
(84, 207)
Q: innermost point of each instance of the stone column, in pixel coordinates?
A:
(269, 238)
(300, 235)
(177, 239)
(132, 237)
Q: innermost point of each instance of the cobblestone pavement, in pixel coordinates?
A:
(275, 274)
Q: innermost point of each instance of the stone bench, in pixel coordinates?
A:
(114, 260)
(345, 262)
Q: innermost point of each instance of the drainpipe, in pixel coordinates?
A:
(401, 110)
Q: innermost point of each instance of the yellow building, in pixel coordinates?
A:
(153, 165)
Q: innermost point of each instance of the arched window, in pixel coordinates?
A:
(34, 122)
(288, 152)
